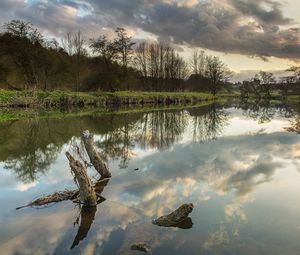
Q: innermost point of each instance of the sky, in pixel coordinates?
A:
(248, 35)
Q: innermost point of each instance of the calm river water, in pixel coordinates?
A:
(238, 164)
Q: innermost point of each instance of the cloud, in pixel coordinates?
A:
(243, 27)
(256, 28)
(237, 163)
(246, 74)
(11, 4)
(25, 186)
(268, 12)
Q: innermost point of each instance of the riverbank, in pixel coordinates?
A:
(11, 114)
(58, 99)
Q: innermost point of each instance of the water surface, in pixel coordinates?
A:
(237, 163)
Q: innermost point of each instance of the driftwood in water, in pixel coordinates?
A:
(174, 218)
(100, 166)
(52, 198)
(65, 195)
(87, 194)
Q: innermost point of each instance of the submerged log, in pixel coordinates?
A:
(100, 166)
(174, 218)
(87, 194)
(65, 195)
(52, 198)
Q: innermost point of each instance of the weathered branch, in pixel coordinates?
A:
(65, 195)
(87, 193)
(100, 166)
(52, 198)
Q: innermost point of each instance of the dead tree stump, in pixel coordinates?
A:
(87, 192)
(100, 166)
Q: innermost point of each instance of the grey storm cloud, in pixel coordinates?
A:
(255, 8)
(256, 27)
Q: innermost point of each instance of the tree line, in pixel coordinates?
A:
(29, 60)
(264, 83)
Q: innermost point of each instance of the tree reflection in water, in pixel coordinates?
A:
(208, 122)
(295, 125)
(29, 147)
(160, 130)
(263, 110)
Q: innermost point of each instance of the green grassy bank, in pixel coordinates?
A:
(62, 98)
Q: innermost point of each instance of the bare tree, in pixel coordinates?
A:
(198, 62)
(296, 74)
(74, 46)
(123, 45)
(104, 48)
(67, 44)
(27, 39)
(285, 84)
(142, 58)
(252, 86)
(24, 30)
(296, 71)
(266, 81)
(160, 64)
(107, 51)
(217, 72)
(79, 52)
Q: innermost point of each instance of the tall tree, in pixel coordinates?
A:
(124, 44)
(22, 42)
(296, 74)
(74, 46)
(142, 58)
(24, 30)
(266, 81)
(217, 72)
(198, 62)
(79, 53)
(104, 48)
(296, 71)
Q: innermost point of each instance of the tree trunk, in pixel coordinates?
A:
(100, 166)
(87, 192)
